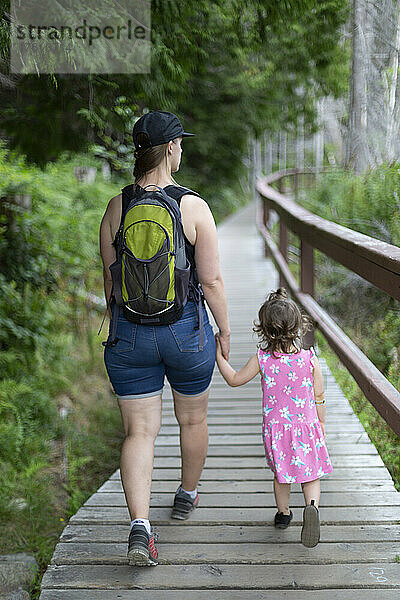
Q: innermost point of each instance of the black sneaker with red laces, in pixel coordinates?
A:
(183, 505)
(142, 550)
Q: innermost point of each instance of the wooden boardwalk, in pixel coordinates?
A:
(229, 549)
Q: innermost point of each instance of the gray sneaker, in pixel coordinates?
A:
(183, 505)
(310, 532)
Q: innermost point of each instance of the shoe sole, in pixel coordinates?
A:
(282, 526)
(310, 532)
(138, 557)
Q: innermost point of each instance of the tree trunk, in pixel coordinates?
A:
(357, 148)
(391, 80)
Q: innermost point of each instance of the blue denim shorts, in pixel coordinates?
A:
(136, 365)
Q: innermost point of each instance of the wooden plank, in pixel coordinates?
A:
(256, 500)
(219, 462)
(233, 534)
(211, 487)
(223, 576)
(256, 419)
(247, 440)
(334, 450)
(100, 553)
(235, 429)
(120, 594)
(338, 473)
(342, 515)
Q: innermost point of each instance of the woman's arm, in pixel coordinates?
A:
(208, 268)
(319, 393)
(232, 377)
(107, 251)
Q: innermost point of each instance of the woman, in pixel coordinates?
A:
(137, 374)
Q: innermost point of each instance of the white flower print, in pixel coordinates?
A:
(319, 442)
(297, 431)
(278, 467)
(320, 472)
(289, 478)
(282, 455)
(273, 422)
(270, 381)
(272, 399)
(275, 369)
(301, 417)
(285, 414)
(287, 426)
(285, 360)
(306, 382)
(305, 447)
(296, 460)
(311, 435)
(311, 403)
(278, 435)
(273, 445)
(287, 389)
(300, 362)
(293, 445)
(299, 402)
(292, 376)
(266, 410)
(308, 471)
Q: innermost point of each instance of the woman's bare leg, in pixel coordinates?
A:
(311, 491)
(282, 496)
(191, 412)
(142, 420)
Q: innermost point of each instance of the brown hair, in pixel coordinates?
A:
(281, 324)
(148, 157)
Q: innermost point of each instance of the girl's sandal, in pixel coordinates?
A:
(310, 532)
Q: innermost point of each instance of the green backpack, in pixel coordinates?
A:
(152, 277)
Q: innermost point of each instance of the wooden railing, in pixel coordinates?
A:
(375, 261)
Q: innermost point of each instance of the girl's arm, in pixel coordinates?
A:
(232, 377)
(319, 393)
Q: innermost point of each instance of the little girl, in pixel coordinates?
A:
(294, 408)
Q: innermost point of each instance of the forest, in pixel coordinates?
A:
(264, 85)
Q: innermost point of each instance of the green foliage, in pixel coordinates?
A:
(50, 258)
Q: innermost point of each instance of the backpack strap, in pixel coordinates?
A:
(176, 192)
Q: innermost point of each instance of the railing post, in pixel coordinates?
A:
(265, 223)
(307, 280)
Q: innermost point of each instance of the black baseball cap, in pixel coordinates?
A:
(160, 127)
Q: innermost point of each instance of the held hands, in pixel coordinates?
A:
(222, 343)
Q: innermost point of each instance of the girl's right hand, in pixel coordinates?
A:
(322, 427)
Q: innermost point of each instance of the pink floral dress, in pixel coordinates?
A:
(294, 443)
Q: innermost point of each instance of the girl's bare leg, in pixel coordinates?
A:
(311, 491)
(282, 496)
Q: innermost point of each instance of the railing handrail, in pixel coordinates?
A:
(378, 262)
(313, 231)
